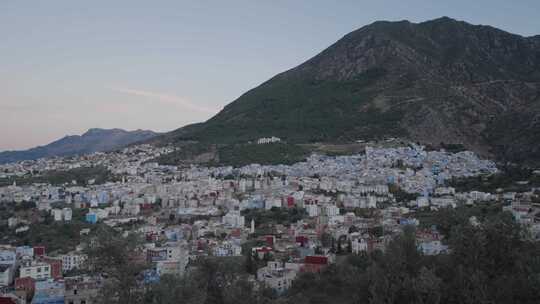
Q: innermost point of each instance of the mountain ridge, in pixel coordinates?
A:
(93, 140)
(438, 81)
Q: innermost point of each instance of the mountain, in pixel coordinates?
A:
(440, 81)
(94, 140)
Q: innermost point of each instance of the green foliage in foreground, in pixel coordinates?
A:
(121, 261)
(490, 263)
(82, 175)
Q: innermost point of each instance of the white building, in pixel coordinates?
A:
(132, 209)
(57, 214)
(422, 202)
(331, 210)
(12, 222)
(445, 191)
(443, 202)
(233, 219)
(170, 267)
(72, 261)
(268, 140)
(6, 275)
(175, 261)
(432, 247)
(271, 203)
(8, 265)
(67, 213)
(277, 275)
(36, 271)
(371, 202)
(312, 210)
(227, 249)
(359, 245)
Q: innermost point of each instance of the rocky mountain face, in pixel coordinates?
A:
(94, 140)
(440, 81)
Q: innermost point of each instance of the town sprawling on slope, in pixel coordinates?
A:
(277, 223)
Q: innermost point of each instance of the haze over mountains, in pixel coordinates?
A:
(440, 81)
(94, 140)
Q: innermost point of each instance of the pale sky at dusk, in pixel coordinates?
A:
(67, 66)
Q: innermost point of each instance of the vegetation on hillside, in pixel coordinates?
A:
(81, 175)
(274, 215)
(269, 154)
(445, 219)
(512, 178)
(448, 147)
(55, 236)
(334, 111)
(235, 155)
(186, 153)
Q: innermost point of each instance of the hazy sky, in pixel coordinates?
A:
(66, 66)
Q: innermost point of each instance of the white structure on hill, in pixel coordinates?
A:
(234, 219)
(268, 140)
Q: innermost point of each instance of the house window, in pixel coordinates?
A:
(83, 301)
(39, 269)
(74, 291)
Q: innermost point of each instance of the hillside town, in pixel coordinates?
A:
(288, 219)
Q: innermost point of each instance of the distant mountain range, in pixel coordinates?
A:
(94, 140)
(440, 81)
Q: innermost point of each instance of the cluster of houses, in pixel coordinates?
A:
(347, 205)
(29, 275)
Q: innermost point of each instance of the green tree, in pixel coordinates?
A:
(119, 260)
(326, 239)
(175, 289)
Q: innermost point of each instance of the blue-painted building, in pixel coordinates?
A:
(255, 204)
(173, 235)
(407, 221)
(151, 276)
(7, 257)
(49, 292)
(24, 251)
(103, 197)
(91, 218)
